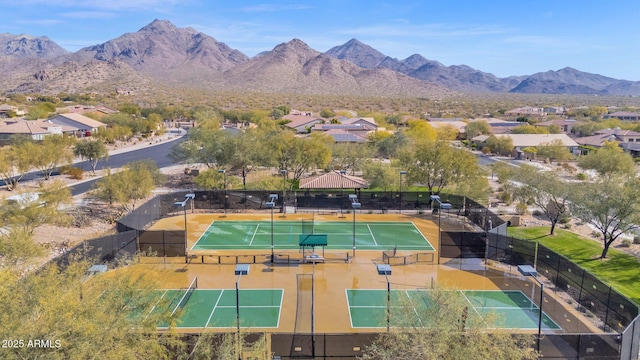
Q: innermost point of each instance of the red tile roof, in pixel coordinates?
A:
(333, 180)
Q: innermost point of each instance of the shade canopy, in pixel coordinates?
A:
(333, 180)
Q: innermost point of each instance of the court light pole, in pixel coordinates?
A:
(402, 172)
(529, 271)
(355, 205)
(224, 174)
(283, 172)
(183, 205)
(385, 269)
(271, 204)
(342, 173)
(241, 269)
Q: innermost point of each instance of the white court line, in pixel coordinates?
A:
(254, 235)
(156, 304)
(422, 235)
(201, 235)
(214, 309)
(373, 237)
(346, 293)
(474, 309)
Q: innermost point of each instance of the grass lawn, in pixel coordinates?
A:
(621, 271)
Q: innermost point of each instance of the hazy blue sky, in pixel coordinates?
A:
(507, 37)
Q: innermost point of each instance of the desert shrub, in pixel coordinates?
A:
(595, 234)
(537, 212)
(564, 220)
(581, 176)
(521, 208)
(76, 173)
(505, 197)
(625, 243)
(636, 239)
(64, 170)
(81, 220)
(486, 150)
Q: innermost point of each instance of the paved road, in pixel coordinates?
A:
(157, 153)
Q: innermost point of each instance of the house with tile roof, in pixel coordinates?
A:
(302, 123)
(526, 111)
(8, 110)
(623, 115)
(83, 125)
(565, 125)
(35, 129)
(351, 130)
(522, 141)
(628, 140)
(333, 180)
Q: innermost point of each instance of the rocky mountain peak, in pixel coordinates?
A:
(27, 46)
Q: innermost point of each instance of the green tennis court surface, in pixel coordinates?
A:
(513, 310)
(217, 308)
(225, 235)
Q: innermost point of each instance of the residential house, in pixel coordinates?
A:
(302, 123)
(355, 130)
(8, 110)
(522, 141)
(84, 125)
(344, 136)
(456, 123)
(627, 139)
(623, 115)
(499, 126)
(526, 111)
(98, 111)
(35, 129)
(555, 110)
(565, 125)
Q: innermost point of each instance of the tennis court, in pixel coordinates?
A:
(513, 309)
(216, 308)
(225, 235)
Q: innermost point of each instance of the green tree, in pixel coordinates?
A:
(609, 159)
(611, 205)
(529, 129)
(446, 329)
(212, 147)
(421, 130)
(92, 151)
(547, 191)
(15, 162)
(297, 155)
(135, 182)
(250, 150)
(216, 346)
(554, 150)
(388, 145)
(327, 113)
(53, 151)
(350, 156)
(476, 128)
(436, 164)
(381, 176)
(18, 248)
(34, 211)
(502, 145)
(83, 319)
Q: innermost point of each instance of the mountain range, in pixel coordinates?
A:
(161, 53)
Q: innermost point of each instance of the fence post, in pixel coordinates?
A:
(606, 314)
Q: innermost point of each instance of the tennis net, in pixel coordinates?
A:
(307, 226)
(185, 297)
